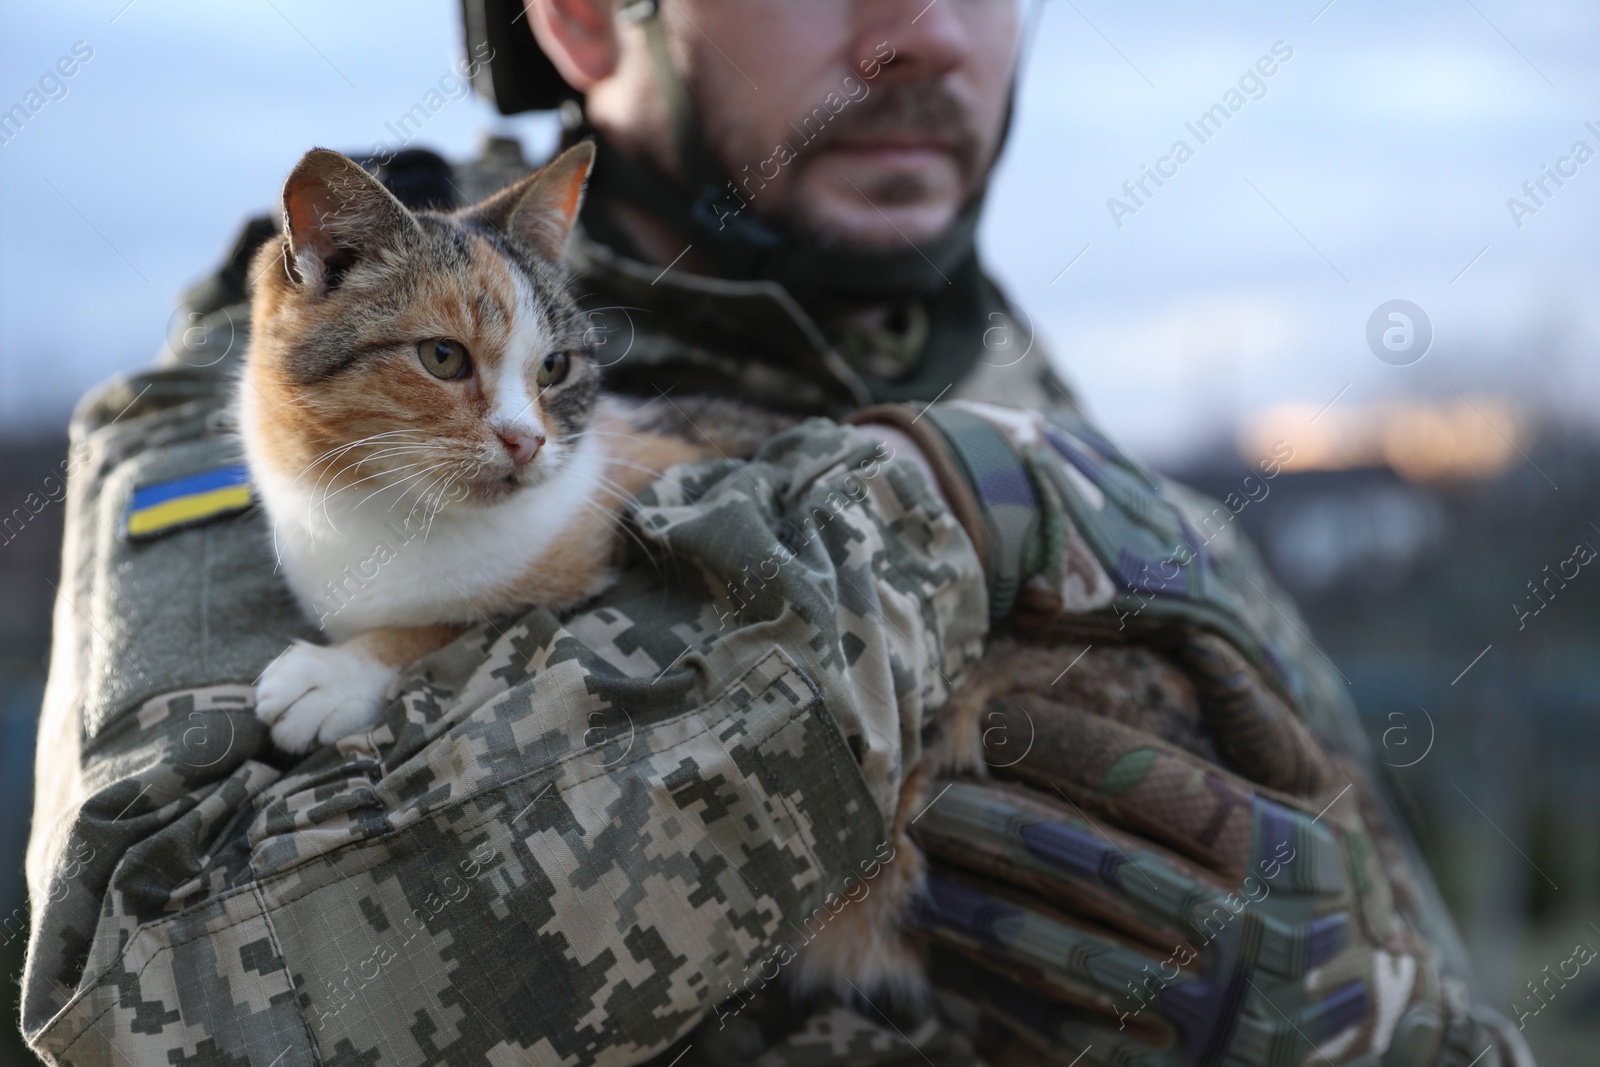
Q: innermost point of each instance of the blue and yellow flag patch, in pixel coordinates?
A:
(162, 507)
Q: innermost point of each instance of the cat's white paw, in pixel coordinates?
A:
(317, 694)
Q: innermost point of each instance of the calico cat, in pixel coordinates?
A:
(427, 369)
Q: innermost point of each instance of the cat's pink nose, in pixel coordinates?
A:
(521, 447)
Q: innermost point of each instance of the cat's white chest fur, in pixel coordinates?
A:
(359, 565)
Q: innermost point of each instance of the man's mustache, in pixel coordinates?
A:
(923, 109)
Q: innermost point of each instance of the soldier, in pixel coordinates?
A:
(650, 831)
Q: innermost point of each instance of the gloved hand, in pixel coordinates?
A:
(1117, 890)
(1137, 848)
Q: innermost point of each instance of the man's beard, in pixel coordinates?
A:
(925, 109)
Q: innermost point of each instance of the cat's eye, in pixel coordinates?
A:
(444, 358)
(554, 369)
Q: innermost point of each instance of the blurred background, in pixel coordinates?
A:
(1442, 484)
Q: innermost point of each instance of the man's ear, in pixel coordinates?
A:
(579, 36)
(538, 212)
(334, 213)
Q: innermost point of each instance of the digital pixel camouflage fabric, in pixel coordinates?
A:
(567, 840)
(571, 840)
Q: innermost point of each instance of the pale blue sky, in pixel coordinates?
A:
(1376, 166)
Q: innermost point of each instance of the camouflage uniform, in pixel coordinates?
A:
(571, 840)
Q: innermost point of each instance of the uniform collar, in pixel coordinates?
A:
(654, 328)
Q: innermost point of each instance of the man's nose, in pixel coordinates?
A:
(919, 40)
(521, 445)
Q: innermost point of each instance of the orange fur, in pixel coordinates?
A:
(865, 943)
(396, 646)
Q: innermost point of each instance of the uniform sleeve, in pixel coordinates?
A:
(1086, 550)
(568, 838)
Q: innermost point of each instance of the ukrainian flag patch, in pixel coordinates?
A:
(162, 507)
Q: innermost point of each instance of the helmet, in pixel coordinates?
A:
(512, 72)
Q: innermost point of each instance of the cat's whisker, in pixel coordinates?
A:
(425, 502)
(468, 473)
(613, 520)
(625, 499)
(616, 461)
(615, 517)
(617, 493)
(382, 453)
(398, 483)
(599, 433)
(324, 484)
(615, 486)
(333, 475)
(654, 472)
(397, 450)
(437, 506)
(380, 474)
(321, 496)
(393, 446)
(339, 450)
(358, 442)
(419, 497)
(434, 497)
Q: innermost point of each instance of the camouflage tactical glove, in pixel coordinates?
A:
(1145, 855)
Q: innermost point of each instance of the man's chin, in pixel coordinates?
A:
(879, 199)
(884, 228)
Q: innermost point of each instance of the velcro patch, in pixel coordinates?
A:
(178, 503)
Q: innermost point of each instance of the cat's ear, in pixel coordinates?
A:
(334, 213)
(538, 212)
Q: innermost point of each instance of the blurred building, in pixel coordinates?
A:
(30, 549)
